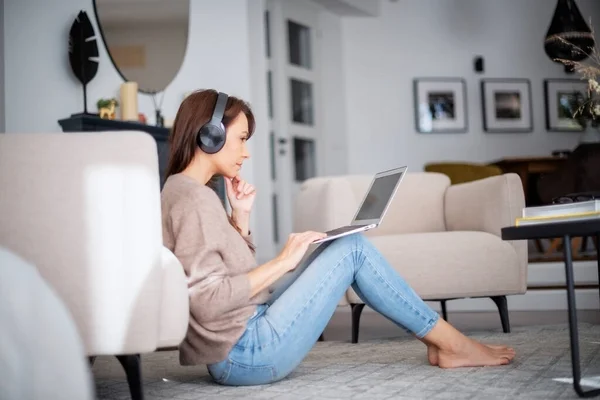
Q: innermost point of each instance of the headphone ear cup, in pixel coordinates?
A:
(211, 138)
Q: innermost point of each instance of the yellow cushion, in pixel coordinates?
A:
(464, 172)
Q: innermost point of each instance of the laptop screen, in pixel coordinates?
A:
(378, 197)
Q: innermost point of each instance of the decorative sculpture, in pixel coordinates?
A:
(83, 52)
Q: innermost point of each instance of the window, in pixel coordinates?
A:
(270, 92)
(272, 149)
(275, 220)
(302, 101)
(304, 158)
(267, 34)
(299, 44)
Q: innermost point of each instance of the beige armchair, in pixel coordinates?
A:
(443, 239)
(84, 209)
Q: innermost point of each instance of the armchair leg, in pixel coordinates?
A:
(356, 311)
(444, 311)
(502, 305)
(133, 369)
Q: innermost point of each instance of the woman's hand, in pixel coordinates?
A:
(296, 247)
(240, 194)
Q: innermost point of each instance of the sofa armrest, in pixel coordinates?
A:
(486, 205)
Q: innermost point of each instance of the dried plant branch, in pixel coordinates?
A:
(586, 105)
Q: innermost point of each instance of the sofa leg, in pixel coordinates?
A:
(356, 311)
(502, 305)
(133, 369)
(444, 311)
(321, 338)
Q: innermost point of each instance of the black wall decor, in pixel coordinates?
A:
(569, 38)
(83, 53)
(478, 64)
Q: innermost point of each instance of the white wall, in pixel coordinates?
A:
(2, 89)
(42, 89)
(260, 140)
(40, 81)
(332, 92)
(440, 38)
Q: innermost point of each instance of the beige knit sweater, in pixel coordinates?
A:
(216, 260)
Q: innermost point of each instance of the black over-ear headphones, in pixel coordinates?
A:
(211, 136)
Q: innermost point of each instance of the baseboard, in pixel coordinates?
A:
(533, 300)
(539, 275)
(553, 273)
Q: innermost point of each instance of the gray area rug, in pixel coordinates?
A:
(382, 369)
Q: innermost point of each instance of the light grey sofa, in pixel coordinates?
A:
(443, 239)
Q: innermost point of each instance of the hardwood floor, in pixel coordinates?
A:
(375, 326)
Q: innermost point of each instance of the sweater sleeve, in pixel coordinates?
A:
(199, 239)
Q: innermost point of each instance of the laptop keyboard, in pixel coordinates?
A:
(343, 229)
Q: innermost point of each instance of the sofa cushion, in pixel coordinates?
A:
(417, 207)
(445, 265)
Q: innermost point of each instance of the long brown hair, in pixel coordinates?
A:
(195, 111)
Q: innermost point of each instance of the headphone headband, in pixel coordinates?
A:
(219, 107)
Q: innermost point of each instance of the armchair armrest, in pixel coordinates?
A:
(175, 305)
(486, 205)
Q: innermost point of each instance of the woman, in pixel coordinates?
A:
(243, 340)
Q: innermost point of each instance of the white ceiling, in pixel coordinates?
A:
(120, 12)
(354, 8)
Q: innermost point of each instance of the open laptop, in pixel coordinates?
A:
(374, 205)
(369, 215)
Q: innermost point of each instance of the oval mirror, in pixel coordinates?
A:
(145, 39)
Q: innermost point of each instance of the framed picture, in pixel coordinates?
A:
(440, 105)
(506, 105)
(560, 95)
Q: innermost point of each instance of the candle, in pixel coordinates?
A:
(129, 101)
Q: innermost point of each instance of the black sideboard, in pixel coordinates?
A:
(93, 123)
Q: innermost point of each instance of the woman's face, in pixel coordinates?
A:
(229, 160)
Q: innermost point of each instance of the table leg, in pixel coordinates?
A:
(598, 259)
(573, 332)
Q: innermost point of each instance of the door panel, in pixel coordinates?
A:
(293, 72)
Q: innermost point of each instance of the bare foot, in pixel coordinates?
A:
(432, 354)
(433, 357)
(470, 353)
(456, 350)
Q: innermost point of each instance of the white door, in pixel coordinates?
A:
(293, 79)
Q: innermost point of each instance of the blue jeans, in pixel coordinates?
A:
(280, 335)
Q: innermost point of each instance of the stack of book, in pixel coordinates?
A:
(583, 210)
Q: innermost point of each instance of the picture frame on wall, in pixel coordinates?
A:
(559, 95)
(440, 105)
(507, 105)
